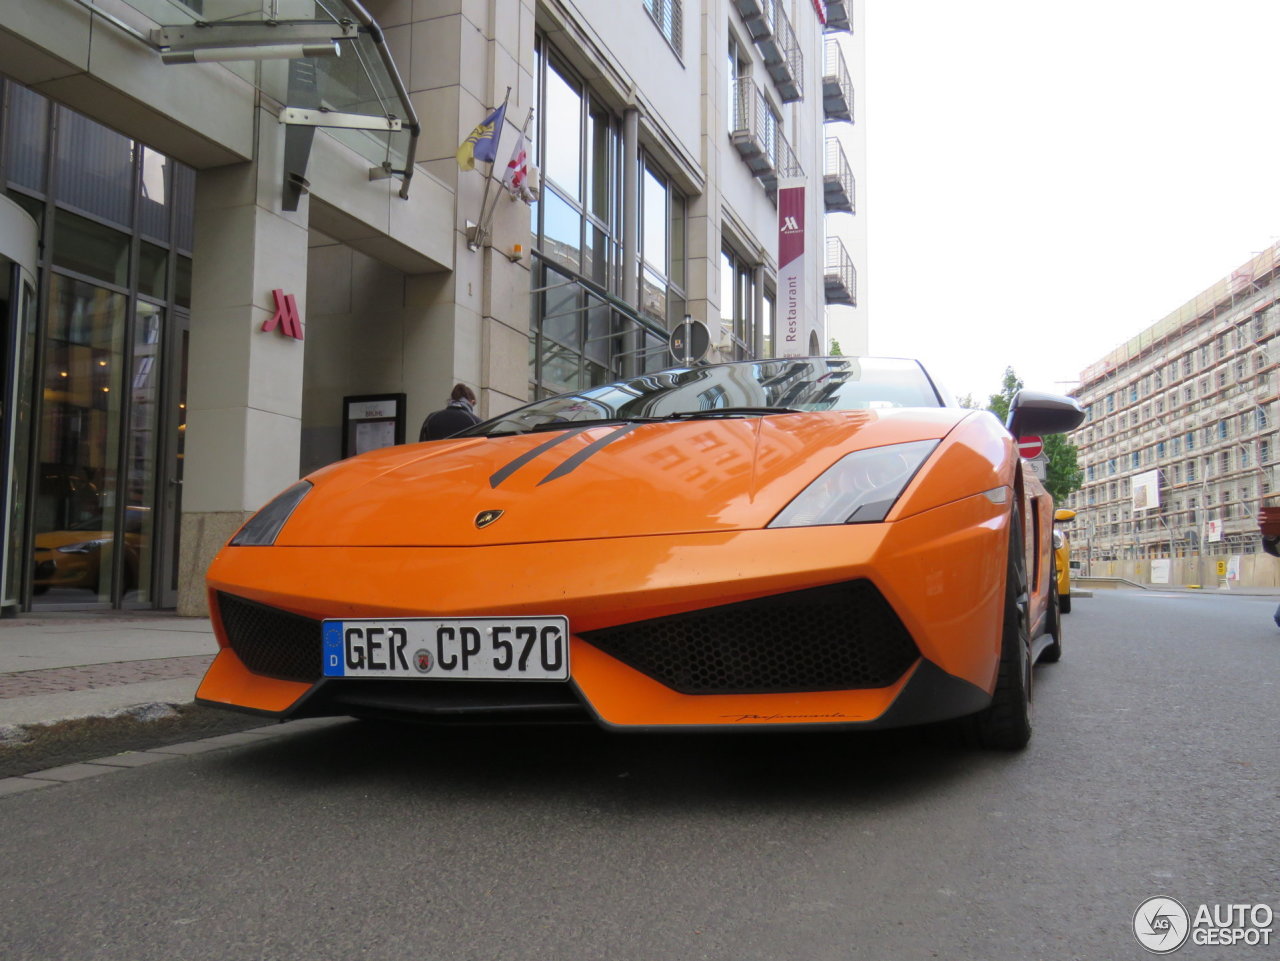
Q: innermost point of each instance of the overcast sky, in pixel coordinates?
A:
(1047, 179)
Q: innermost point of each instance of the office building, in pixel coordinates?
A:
(1179, 444)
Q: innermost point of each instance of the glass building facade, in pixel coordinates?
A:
(582, 333)
(100, 366)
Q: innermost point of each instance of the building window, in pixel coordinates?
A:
(662, 244)
(766, 324)
(737, 303)
(578, 336)
(668, 16)
(739, 68)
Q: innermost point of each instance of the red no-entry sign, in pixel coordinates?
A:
(1030, 447)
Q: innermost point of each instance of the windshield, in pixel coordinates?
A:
(752, 388)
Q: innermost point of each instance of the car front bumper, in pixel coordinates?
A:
(940, 573)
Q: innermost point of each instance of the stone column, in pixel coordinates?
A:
(459, 57)
(244, 387)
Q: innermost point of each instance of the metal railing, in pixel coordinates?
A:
(781, 51)
(837, 84)
(838, 184)
(840, 276)
(756, 133)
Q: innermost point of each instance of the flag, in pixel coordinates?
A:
(516, 179)
(482, 143)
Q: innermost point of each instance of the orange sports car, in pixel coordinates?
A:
(803, 542)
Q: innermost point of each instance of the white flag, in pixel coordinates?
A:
(516, 177)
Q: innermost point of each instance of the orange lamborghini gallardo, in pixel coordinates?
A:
(803, 543)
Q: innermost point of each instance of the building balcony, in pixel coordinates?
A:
(838, 185)
(840, 276)
(782, 56)
(756, 135)
(754, 15)
(837, 85)
(767, 22)
(838, 16)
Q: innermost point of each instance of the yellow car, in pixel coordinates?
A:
(80, 555)
(1062, 559)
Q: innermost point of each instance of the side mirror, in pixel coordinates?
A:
(1064, 514)
(1035, 412)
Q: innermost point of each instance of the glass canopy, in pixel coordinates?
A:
(326, 61)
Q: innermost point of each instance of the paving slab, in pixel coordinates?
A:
(69, 772)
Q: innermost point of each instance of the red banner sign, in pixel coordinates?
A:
(791, 306)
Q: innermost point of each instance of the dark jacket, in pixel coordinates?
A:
(445, 423)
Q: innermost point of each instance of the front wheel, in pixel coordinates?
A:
(1005, 724)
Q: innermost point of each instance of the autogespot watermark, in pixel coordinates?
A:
(1162, 925)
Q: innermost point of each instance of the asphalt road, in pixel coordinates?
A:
(1154, 771)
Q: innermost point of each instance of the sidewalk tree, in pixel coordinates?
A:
(1062, 474)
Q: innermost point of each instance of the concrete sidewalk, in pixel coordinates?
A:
(58, 666)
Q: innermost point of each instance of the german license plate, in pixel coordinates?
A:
(485, 648)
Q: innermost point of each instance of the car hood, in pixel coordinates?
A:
(615, 480)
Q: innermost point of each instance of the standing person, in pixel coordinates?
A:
(458, 414)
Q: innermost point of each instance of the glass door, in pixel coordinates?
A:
(17, 332)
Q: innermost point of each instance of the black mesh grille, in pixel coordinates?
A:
(834, 638)
(272, 642)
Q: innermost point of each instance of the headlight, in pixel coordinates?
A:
(857, 489)
(1058, 539)
(84, 547)
(263, 527)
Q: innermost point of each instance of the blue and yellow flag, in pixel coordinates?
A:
(482, 143)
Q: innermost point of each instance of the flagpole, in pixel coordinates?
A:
(487, 220)
(476, 241)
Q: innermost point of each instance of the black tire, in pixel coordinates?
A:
(1064, 602)
(1005, 724)
(1053, 653)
